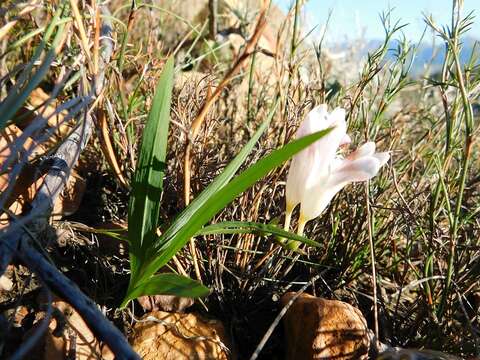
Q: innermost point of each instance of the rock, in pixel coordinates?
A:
(5, 283)
(76, 338)
(176, 336)
(165, 303)
(68, 336)
(317, 328)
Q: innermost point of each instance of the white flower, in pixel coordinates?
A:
(317, 173)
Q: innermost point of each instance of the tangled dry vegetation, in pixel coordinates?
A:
(422, 212)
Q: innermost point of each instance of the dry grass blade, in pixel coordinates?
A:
(210, 100)
(81, 29)
(27, 8)
(107, 147)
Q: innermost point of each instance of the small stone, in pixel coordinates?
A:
(5, 283)
(178, 336)
(317, 328)
(170, 303)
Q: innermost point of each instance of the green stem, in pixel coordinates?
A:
(468, 113)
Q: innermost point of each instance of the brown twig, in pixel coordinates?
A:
(372, 259)
(62, 286)
(213, 9)
(279, 317)
(107, 147)
(81, 29)
(211, 98)
(96, 41)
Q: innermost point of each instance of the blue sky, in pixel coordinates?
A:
(351, 17)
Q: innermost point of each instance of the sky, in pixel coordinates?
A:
(352, 18)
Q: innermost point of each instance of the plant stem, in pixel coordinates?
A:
(213, 8)
(468, 113)
(288, 217)
(372, 259)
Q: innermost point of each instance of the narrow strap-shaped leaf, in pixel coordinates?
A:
(147, 185)
(169, 284)
(246, 227)
(172, 241)
(221, 180)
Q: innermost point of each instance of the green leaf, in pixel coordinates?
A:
(219, 182)
(177, 235)
(169, 284)
(248, 227)
(147, 184)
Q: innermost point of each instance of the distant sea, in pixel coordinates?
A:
(427, 55)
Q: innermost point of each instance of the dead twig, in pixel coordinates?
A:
(279, 317)
(213, 9)
(107, 147)
(66, 289)
(33, 339)
(372, 259)
(211, 98)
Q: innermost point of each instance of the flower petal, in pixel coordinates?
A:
(337, 117)
(304, 163)
(346, 140)
(343, 171)
(383, 157)
(312, 166)
(365, 150)
(296, 180)
(314, 161)
(317, 198)
(355, 170)
(314, 121)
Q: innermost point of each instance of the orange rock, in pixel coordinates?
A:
(71, 338)
(177, 336)
(317, 328)
(165, 303)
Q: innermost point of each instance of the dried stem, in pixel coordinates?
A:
(372, 259)
(279, 317)
(197, 123)
(68, 290)
(213, 9)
